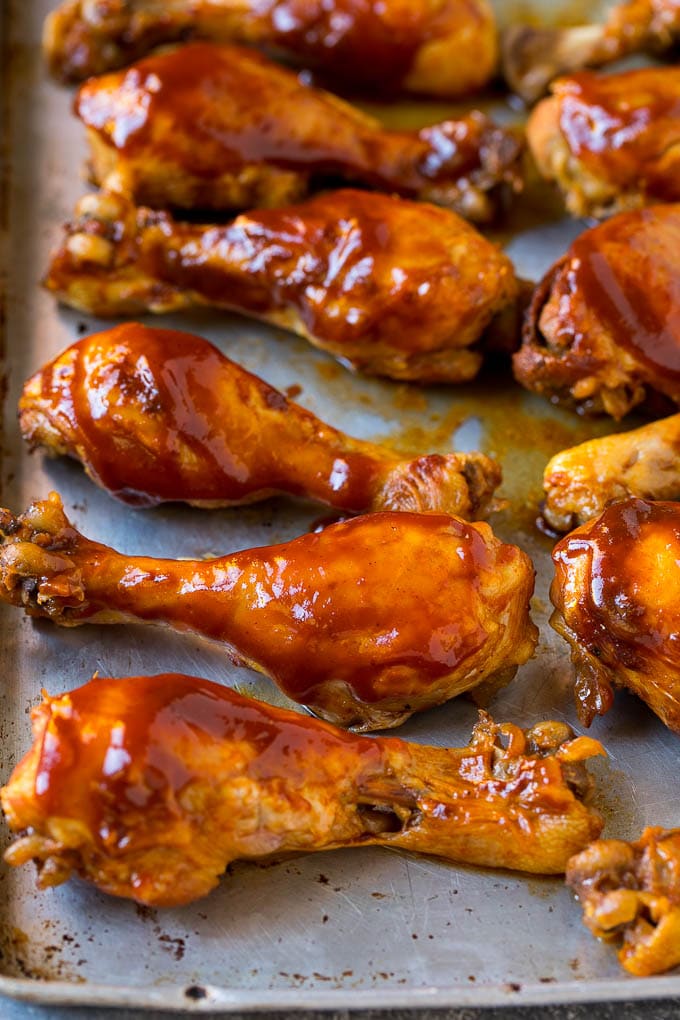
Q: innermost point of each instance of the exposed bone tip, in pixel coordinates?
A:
(533, 57)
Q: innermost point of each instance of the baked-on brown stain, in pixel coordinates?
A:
(151, 786)
(157, 415)
(345, 621)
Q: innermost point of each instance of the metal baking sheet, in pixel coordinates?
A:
(361, 928)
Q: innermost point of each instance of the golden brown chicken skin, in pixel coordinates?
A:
(603, 329)
(150, 786)
(611, 141)
(365, 623)
(221, 127)
(443, 48)
(581, 481)
(533, 57)
(157, 415)
(616, 602)
(389, 286)
(630, 893)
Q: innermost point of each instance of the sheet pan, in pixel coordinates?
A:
(362, 928)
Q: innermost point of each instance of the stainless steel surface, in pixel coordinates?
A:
(363, 928)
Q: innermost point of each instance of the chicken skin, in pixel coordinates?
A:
(612, 142)
(603, 329)
(580, 482)
(157, 415)
(221, 127)
(533, 57)
(150, 786)
(364, 623)
(616, 602)
(444, 48)
(390, 287)
(631, 892)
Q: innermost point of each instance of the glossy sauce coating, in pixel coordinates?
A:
(625, 128)
(626, 273)
(445, 47)
(222, 115)
(189, 107)
(160, 415)
(345, 621)
(393, 287)
(371, 44)
(632, 550)
(150, 786)
(348, 271)
(616, 595)
(174, 711)
(304, 610)
(603, 328)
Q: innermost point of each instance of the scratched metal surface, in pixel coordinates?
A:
(352, 929)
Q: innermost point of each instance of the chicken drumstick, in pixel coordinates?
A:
(365, 623)
(221, 127)
(611, 141)
(616, 602)
(442, 48)
(533, 57)
(391, 287)
(150, 786)
(157, 415)
(631, 892)
(603, 329)
(581, 481)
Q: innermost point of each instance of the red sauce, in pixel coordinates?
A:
(351, 603)
(345, 262)
(625, 127)
(159, 415)
(621, 603)
(355, 42)
(364, 43)
(626, 272)
(210, 110)
(359, 44)
(115, 746)
(213, 108)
